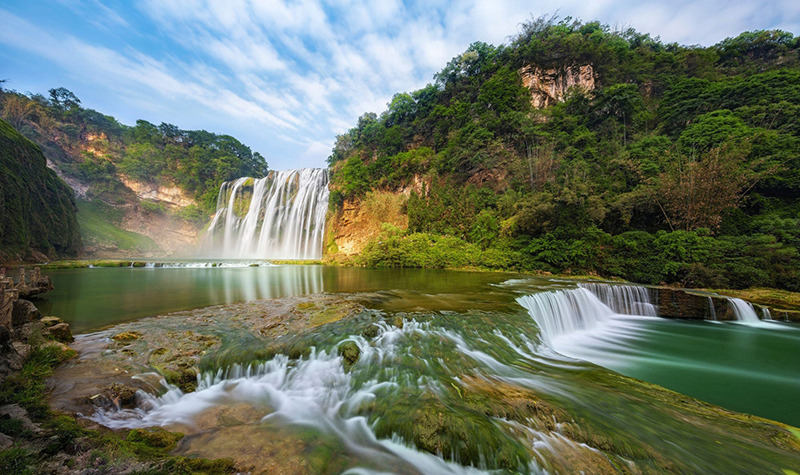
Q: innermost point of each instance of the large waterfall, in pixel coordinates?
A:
(281, 216)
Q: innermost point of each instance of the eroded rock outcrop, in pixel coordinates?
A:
(550, 86)
(20, 320)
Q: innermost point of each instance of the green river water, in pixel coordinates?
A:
(465, 340)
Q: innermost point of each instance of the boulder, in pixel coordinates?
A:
(16, 412)
(50, 321)
(60, 332)
(24, 311)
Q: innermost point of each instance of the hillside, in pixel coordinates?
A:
(577, 148)
(37, 209)
(143, 190)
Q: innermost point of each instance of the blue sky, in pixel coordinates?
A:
(285, 77)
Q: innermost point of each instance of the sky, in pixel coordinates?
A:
(285, 77)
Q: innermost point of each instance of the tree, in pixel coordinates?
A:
(694, 194)
(63, 99)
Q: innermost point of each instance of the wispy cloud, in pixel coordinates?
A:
(286, 76)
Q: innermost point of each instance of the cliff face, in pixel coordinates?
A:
(37, 209)
(550, 86)
(169, 195)
(358, 222)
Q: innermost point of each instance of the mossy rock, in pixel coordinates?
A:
(156, 438)
(126, 336)
(350, 352)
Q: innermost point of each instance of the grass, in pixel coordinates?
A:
(782, 299)
(97, 222)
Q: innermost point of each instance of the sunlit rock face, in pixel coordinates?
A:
(281, 216)
(550, 86)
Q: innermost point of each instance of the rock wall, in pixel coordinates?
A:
(20, 319)
(359, 221)
(550, 86)
(170, 195)
(679, 303)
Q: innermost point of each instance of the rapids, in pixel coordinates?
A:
(454, 373)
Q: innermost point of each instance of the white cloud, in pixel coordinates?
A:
(286, 76)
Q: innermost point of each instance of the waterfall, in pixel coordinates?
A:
(744, 311)
(596, 307)
(625, 299)
(281, 216)
(765, 313)
(711, 310)
(565, 311)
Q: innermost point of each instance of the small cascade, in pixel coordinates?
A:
(711, 310)
(281, 216)
(565, 311)
(625, 299)
(765, 313)
(743, 310)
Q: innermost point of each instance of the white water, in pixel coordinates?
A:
(625, 299)
(284, 219)
(314, 392)
(576, 323)
(711, 310)
(744, 311)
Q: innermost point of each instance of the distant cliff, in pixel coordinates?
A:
(37, 209)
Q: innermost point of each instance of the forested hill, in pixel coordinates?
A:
(37, 209)
(579, 148)
(97, 151)
(144, 190)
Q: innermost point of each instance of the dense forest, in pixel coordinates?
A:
(37, 209)
(670, 163)
(97, 150)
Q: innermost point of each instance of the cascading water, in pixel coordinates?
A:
(571, 320)
(281, 216)
(565, 311)
(744, 311)
(711, 310)
(625, 299)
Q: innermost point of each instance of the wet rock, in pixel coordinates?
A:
(677, 303)
(24, 311)
(127, 336)
(370, 332)
(350, 353)
(118, 395)
(60, 332)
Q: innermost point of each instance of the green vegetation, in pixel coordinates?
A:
(96, 220)
(667, 164)
(37, 209)
(96, 149)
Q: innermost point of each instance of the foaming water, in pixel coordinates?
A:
(625, 299)
(315, 392)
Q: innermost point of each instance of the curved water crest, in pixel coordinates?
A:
(281, 216)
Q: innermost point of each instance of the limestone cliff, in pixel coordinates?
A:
(550, 86)
(169, 195)
(357, 222)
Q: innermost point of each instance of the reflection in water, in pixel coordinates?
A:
(90, 299)
(94, 298)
